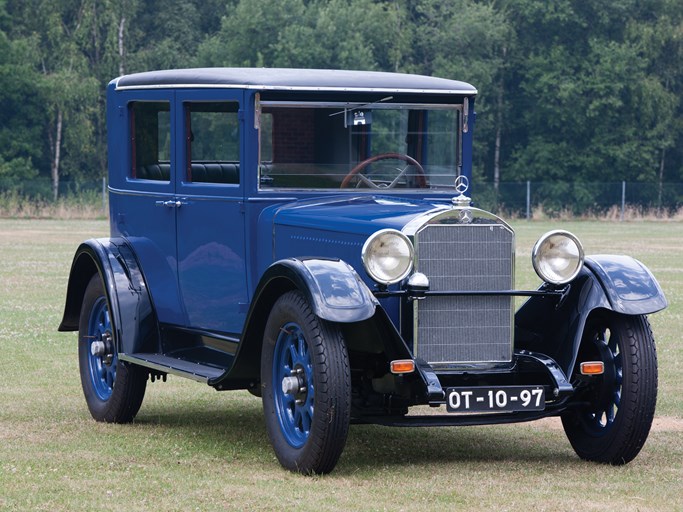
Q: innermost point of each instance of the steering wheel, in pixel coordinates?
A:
(356, 171)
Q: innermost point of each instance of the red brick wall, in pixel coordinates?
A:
(293, 135)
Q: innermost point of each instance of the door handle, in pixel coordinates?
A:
(171, 203)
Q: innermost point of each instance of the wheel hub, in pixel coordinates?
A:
(103, 348)
(295, 385)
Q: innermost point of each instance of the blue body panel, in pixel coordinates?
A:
(334, 227)
(197, 279)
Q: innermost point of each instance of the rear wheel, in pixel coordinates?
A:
(306, 387)
(619, 407)
(113, 389)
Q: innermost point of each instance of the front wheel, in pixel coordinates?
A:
(113, 389)
(306, 387)
(613, 423)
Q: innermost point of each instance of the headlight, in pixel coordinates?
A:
(557, 257)
(388, 256)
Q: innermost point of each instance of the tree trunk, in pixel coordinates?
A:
(499, 127)
(56, 144)
(122, 25)
(496, 155)
(661, 181)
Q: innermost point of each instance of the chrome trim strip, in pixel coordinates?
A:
(446, 214)
(450, 92)
(377, 105)
(148, 193)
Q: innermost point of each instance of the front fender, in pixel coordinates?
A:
(616, 283)
(130, 305)
(332, 287)
(629, 285)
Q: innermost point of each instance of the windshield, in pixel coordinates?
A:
(354, 146)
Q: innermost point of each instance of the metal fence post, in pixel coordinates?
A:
(623, 199)
(104, 195)
(528, 200)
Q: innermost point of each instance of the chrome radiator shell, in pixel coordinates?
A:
(470, 252)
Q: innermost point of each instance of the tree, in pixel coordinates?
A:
(250, 32)
(586, 106)
(20, 104)
(68, 89)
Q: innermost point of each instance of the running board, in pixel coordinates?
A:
(175, 366)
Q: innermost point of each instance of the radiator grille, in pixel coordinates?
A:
(472, 257)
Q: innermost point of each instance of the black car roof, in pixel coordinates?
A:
(285, 79)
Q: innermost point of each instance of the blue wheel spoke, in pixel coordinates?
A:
(294, 410)
(293, 356)
(288, 402)
(102, 375)
(303, 353)
(610, 414)
(306, 421)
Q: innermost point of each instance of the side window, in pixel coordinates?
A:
(212, 141)
(150, 133)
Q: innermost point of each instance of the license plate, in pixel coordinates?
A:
(494, 399)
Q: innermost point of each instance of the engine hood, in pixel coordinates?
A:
(361, 215)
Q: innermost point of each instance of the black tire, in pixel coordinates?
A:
(113, 389)
(307, 427)
(615, 426)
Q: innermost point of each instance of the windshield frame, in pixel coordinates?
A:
(346, 107)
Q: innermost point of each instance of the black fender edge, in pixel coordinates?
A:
(128, 299)
(629, 285)
(555, 327)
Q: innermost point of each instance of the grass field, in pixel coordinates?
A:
(192, 448)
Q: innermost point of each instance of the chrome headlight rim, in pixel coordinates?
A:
(537, 257)
(368, 253)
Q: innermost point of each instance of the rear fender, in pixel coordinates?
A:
(615, 283)
(130, 305)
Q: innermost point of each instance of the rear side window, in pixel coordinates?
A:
(150, 133)
(212, 142)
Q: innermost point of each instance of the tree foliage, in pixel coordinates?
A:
(571, 91)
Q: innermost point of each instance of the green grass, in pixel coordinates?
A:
(192, 448)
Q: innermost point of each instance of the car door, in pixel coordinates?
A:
(210, 216)
(142, 162)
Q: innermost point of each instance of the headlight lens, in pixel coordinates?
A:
(388, 256)
(557, 257)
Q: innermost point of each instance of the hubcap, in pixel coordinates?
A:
(292, 368)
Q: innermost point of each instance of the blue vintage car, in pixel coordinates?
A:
(308, 235)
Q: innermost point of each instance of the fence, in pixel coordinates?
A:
(578, 198)
(520, 199)
(35, 197)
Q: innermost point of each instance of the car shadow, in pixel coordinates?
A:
(233, 431)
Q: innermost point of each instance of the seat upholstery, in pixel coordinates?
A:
(202, 172)
(216, 172)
